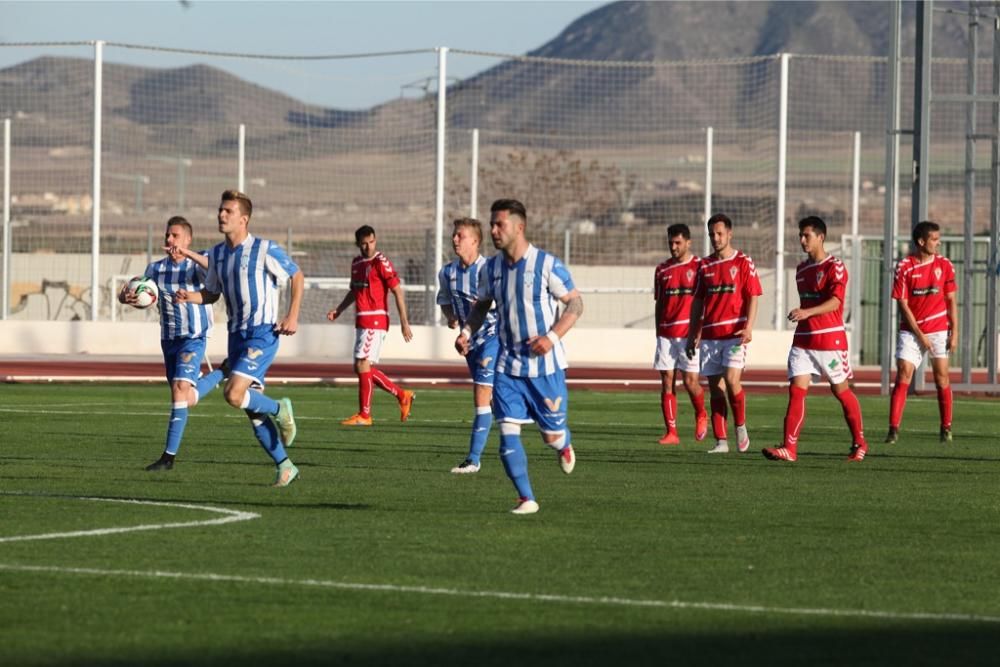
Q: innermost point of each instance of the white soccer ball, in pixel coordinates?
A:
(144, 290)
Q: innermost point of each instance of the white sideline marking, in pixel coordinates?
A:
(231, 516)
(504, 595)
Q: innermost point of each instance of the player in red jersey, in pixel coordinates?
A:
(372, 278)
(673, 289)
(925, 290)
(819, 346)
(722, 319)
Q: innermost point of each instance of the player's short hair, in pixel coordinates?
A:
(512, 206)
(680, 229)
(922, 230)
(362, 232)
(815, 222)
(472, 225)
(178, 221)
(246, 206)
(720, 217)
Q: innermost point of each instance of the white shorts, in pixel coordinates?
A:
(835, 365)
(671, 354)
(368, 344)
(908, 348)
(718, 355)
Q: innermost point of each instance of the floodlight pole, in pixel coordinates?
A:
(968, 259)
(779, 259)
(709, 148)
(921, 135)
(891, 197)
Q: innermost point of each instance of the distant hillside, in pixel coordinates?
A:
(52, 95)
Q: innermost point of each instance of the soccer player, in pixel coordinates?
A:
(458, 287)
(530, 386)
(925, 290)
(248, 271)
(183, 329)
(819, 346)
(372, 278)
(722, 319)
(673, 289)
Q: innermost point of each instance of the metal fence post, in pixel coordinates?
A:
(95, 231)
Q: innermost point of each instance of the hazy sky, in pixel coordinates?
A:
(295, 28)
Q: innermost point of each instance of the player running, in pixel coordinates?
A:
(925, 290)
(673, 289)
(526, 284)
(248, 271)
(819, 347)
(458, 287)
(722, 319)
(372, 278)
(183, 331)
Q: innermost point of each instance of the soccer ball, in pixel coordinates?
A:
(145, 291)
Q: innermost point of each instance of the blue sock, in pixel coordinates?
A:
(261, 403)
(175, 428)
(515, 464)
(267, 435)
(480, 432)
(206, 383)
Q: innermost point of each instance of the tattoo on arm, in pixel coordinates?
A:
(575, 305)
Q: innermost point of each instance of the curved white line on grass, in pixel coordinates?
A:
(230, 516)
(522, 597)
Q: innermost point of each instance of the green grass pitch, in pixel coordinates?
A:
(378, 556)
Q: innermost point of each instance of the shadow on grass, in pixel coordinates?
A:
(915, 644)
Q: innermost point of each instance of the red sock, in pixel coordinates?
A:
(794, 415)
(698, 401)
(944, 405)
(739, 404)
(720, 413)
(365, 393)
(384, 383)
(668, 403)
(898, 403)
(852, 413)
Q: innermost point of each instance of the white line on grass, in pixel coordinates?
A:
(231, 516)
(504, 595)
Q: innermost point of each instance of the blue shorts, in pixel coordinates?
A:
(252, 352)
(482, 361)
(543, 400)
(182, 358)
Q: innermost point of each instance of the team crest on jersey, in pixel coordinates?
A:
(553, 405)
(937, 273)
(689, 275)
(245, 261)
(819, 277)
(529, 280)
(732, 271)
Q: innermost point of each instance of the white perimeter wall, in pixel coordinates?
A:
(334, 343)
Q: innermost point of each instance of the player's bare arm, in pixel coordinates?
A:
(746, 333)
(289, 324)
(574, 309)
(828, 306)
(204, 297)
(449, 315)
(694, 330)
(404, 320)
(952, 303)
(476, 318)
(911, 320)
(339, 310)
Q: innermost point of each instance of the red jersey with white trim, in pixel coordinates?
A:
(924, 287)
(725, 287)
(673, 289)
(371, 280)
(818, 283)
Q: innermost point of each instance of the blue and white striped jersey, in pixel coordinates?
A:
(526, 295)
(459, 288)
(187, 320)
(248, 277)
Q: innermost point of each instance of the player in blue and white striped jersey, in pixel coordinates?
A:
(526, 283)
(183, 330)
(458, 289)
(248, 272)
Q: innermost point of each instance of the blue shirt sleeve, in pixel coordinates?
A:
(560, 281)
(279, 263)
